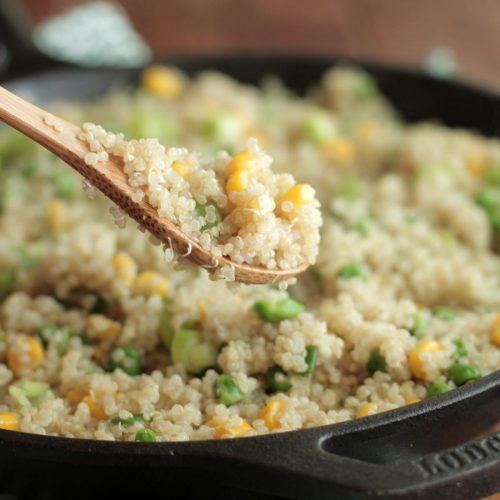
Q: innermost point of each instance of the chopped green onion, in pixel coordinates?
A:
(376, 362)
(33, 389)
(201, 357)
(363, 227)
(437, 388)
(166, 329)
(28, 169)
(201, 211)
(277, 379)
(462, 373)
(64, 184)
(125, 358)
(127, 422)
(489, 201)
(274, 312)
(366, 88)
(222, 128)
(20, 396)
(461, 349)
(100, 304)
(311, 359)
(352, 271)
(7, 282)
(417, 324)
(146, 123)
(444, 312)
(226, 390)
(492, 175)
(61, 336)
(319, 127)
(349, 188)
(182, 343)
(145, 436)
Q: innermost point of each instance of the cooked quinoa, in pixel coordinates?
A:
(102, 338)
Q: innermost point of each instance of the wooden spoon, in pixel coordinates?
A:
(61, 137)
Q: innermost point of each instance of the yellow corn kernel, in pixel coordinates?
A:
(102, 328)
(9, 421)
(366, 130)
(57, 217)
(476, 164)
(242, 162)
(27, 353)
(415, 361)
(95, 409)
(238, 182)
(162, 81)
(412, 401)
(339, 149)
(237, 430)
(366, 409)
(125, 267)
(182, 168)
(295, 198)
(151, 283)
(74, 396)
(272, 412)
(495, 334)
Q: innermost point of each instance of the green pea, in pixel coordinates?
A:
(222, 128)
(201, 357)
(277, 379)
(64, 184)
(437, 388)
(125, 358)
(145, 436)
(366, 88)
(226, 390)
(352, 271)
(376, 362)
(319, 127)
(166, 330)
(461, 373)
(7, 282)
(127, 422)
(417, 324)
(182, 343)
(201, 211)
(311, 359)
(274, 312)
(461, 349)
(444, 312)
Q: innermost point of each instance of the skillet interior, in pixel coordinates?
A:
(416, 97)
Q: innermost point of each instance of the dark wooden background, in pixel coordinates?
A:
(398, 31)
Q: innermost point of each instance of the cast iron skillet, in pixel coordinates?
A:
(428, 449)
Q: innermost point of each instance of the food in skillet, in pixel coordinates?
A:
(103, 339)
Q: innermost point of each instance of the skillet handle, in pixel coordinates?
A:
(411, 452)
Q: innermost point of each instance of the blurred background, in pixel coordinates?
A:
(457, 37)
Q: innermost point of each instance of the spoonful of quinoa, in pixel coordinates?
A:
(232, 215)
